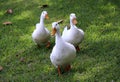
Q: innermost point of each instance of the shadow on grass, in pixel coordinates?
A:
(117, 2)
(100, 61)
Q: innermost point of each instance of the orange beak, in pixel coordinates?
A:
(53, 31)
(74, 21)
(46, 16)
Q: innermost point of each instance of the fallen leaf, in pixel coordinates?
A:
(1, 68)
(9, 11)
(44, 6)
(7, 23)
(22, 59)
(60, 21)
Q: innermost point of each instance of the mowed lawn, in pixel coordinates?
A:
(97, 61)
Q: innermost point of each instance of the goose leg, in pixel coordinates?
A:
(68, 67)
(77, 48)
(48, 44)
(59, 72)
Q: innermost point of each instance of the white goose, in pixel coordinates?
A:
(63, 53)
(73, 35)
(41, 34)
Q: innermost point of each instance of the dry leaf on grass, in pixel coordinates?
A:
(7, 23)
(9, 11)
(1, 68)
(44, 6)
(22, 59)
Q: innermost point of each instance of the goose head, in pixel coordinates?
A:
(73, 19)
(44, 15)
(55, 28)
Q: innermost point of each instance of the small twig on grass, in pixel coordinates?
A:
(60, 21)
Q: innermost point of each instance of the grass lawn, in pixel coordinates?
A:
(98, 59)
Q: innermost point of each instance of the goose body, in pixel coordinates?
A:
(41, 34)
(63, 53)
(73, 35)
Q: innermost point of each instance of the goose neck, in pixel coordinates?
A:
(58, 37)
(42, 20)
(71, 24)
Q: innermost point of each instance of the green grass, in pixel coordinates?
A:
(98, 60)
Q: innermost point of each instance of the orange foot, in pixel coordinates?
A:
(77, 48)
(48, 44)
(67, 68)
